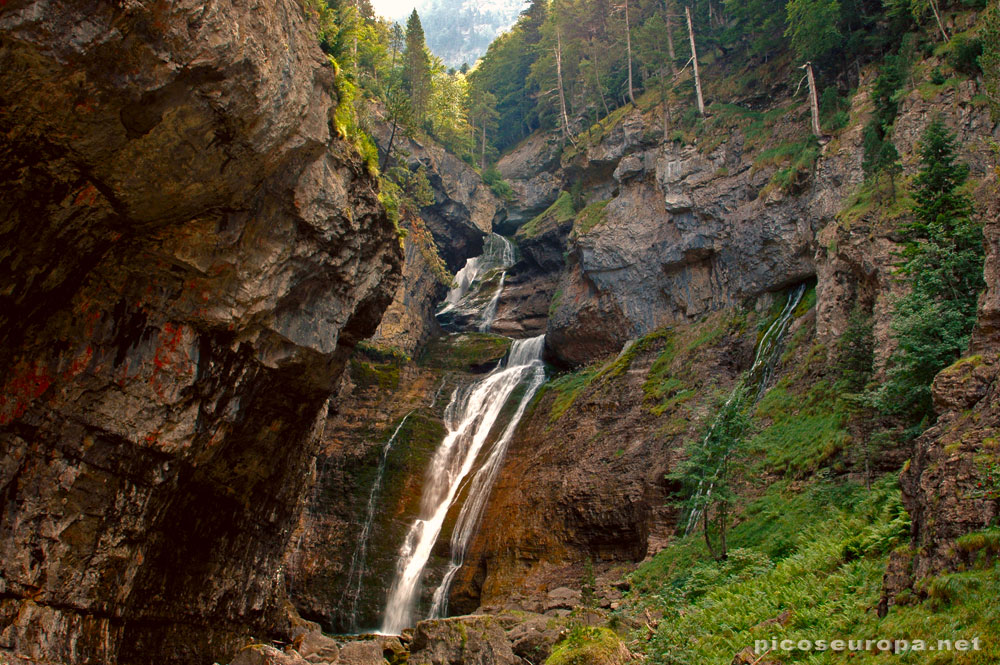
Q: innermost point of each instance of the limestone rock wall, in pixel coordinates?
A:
(189, 254)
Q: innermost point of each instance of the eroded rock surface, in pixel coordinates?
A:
(188, 256)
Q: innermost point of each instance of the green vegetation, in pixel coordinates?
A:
(706, 473)
(589, 217)
(584, 645)
(942, 265)
(804, 430)
(384, 376)
(469, 351)
(560, 212)
(789, 576)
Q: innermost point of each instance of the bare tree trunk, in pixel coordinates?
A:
(708, 538)
(813, 99)
(388, 149)
(628, 49)
(357, 11)
(723, 520)
(562, 95)
(482, 159)
(694, 57)
(666, 104)
(597, 76)
(937, 16)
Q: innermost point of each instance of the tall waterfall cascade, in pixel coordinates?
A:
(468, 300)
(470, 418)
(757, 377)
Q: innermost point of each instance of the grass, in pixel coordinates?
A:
(560, 212)
(800, 432)
(585, 645)
(822, 582)
(384, 376)
(874, 200)
(468, 351)
(591, 216)
(567, 388)
(797, 159)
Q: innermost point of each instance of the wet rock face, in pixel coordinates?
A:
(188, 256)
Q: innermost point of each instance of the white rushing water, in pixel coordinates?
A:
(469, 419)
(498, 254)
(356, 572)
(759, 374)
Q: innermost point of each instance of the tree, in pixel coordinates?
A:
(628, 46)
(812, 27)
(484, 116)
(417, 68)
(943, 267)
(706, 474)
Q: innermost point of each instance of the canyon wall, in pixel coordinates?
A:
(189, 255)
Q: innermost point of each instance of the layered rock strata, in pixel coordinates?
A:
(189, 254)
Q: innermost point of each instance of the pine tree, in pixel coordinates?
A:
(417, 68)
(943, 267)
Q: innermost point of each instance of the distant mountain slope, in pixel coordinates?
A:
(461, 30)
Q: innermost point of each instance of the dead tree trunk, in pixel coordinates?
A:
(562, 95)
(937, 17)
(813, 99)
(694, 58)
(628, 50)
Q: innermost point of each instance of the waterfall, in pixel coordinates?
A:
(356, 572)
(465, 296)
(760, 373)
(470, 416)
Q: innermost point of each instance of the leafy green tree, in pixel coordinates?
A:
(706, 474)
(943, 267)
(417, 68)
(812, 27)
(759, 24)
(484, 118)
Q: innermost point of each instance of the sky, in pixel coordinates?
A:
(393, 8)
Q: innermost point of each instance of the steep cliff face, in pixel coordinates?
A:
(189, 254)
(665, 235)
(452, 229)
(672, 231)
(464, 207)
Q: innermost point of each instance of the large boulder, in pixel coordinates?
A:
(466, 640)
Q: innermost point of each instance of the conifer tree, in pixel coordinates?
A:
(417, 68)
(943, 267)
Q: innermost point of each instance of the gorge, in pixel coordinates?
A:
(292, 373)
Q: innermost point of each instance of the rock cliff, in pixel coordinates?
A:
(189, 254)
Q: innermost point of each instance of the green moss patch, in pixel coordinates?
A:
(560, 212)
(465, 352)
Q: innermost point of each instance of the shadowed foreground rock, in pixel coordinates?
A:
(189, 255)
(471, 640)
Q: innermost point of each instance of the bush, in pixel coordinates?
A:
(500, 187)
(965, 54)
